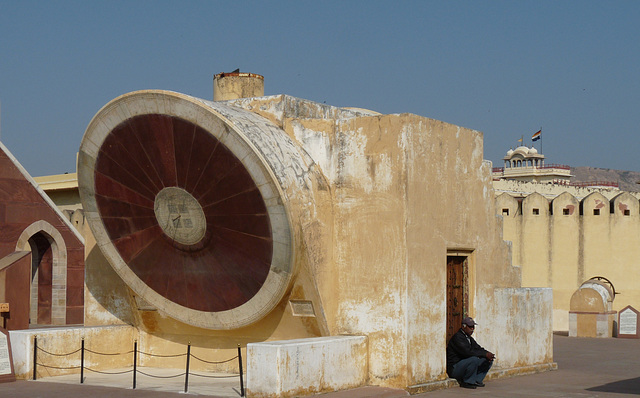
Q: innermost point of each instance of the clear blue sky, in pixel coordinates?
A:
(506, 68)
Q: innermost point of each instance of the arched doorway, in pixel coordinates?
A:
(48, 296)
(41, 279)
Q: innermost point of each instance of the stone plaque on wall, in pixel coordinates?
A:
(302, 308)
(628, 326)
(6, 360)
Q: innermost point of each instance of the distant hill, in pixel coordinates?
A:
(628, 180)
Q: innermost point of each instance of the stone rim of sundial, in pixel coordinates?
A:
(221, 123)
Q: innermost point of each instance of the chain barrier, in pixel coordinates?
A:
(214, 362)
(58, 367)
(105, 353)
(214, 376)
(59, 355)
(161, 356)
(109, 373)
(188, 355)
(161, 377)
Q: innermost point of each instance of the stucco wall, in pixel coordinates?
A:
(567, 243)
(306, 366)
(407, 190)
(522, 318)
(109, 339)
(379, 204)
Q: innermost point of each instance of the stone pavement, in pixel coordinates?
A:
(586, 368)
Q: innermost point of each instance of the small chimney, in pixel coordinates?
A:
(234, 85)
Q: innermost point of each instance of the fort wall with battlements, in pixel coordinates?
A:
(562, 239)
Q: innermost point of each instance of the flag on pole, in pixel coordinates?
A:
(520, 140)
(536, 136)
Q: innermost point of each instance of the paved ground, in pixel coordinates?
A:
(586, 368)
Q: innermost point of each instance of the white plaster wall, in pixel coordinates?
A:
(107, 339)
(602, 325)
(573, 325)
(516, 326)
(306, 366)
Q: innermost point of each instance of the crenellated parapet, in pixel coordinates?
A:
(563, 241)
(521, 189)
(566, 204)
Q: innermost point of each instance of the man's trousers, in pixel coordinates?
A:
(471, 370)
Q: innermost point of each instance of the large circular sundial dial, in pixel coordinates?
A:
(185, 209)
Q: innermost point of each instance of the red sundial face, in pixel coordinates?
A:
(183, 212)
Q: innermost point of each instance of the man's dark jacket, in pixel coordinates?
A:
(462, 347)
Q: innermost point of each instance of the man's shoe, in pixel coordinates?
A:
(467, 385)
(480, 384)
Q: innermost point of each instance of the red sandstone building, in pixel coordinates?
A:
(41, 254)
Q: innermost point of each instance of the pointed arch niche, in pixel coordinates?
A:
(48, 299)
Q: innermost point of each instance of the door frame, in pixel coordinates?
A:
(469, 285)
(59, 268)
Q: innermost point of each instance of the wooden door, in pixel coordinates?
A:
(455, 293)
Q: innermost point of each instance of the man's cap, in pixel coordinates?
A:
(469, 321)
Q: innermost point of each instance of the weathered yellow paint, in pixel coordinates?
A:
(386, 198)
(227, 86)
(577, 240)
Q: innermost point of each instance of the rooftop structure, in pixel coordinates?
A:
(526, 164)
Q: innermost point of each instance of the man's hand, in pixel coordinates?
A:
(490, 356)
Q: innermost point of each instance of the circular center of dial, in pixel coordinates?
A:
(180, 215)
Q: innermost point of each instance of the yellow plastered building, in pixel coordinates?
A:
(390, 230)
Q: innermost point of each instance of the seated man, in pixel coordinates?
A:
(467, 362)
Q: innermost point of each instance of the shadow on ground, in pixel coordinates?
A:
(628, 386)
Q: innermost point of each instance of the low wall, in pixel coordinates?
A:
(111, 347)
(516, 325)
(306, 366)
(522, 330)
(109, 339)
(591, 324)
(565, 242)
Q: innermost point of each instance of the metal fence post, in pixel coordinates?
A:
(186, 375)
(35, 355)
(135, 352)
(82, 362)
(241, 378)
